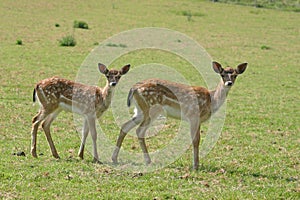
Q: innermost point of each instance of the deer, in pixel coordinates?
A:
(57, 94)
(194, 104)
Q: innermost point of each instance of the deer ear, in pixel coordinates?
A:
(241, 68)
(125, 69)
(102, 68)
(217, 67)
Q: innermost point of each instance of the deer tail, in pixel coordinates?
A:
(33, 95)
(130, 95)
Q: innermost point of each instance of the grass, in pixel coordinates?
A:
(257, 156)
(287, 5)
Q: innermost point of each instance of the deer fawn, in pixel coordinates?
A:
(191, 103)
(57, 94)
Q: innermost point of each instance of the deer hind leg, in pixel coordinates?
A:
(36, 120)
(126, 127)
(46, 126)
(141, 131)
(195, 135)
(149, 115)
(85, 131)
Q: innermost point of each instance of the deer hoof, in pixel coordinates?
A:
(115, 161)
(34, 154)
(97, 161)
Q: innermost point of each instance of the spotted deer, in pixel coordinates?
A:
(194, 104)
(58, 94)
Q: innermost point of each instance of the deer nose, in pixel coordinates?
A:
(113, 83)
(228, 83)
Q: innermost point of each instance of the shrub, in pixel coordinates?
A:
(80, 24)
(19, 42)
(116, 45)
(188, 14)
(68, 40)
(264, 47)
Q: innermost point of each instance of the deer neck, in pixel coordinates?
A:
(107, 94)
(218, 96)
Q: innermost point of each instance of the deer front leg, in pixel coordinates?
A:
(123, 132)
(195, 134)
(92, 127)
(85, 131)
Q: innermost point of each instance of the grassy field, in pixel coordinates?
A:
(257, 156)
(287, 5)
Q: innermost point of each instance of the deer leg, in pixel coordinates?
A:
(36, 120)
(195, 134)
(123, 132)
(141, 130)
(85, 131)
(92, 127)
(46, 126)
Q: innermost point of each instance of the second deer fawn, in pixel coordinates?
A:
(58, 94)
(191, 103)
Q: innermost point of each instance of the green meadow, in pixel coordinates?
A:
(257, 155)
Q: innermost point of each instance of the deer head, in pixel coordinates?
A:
(113, 76)
(229, 74)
